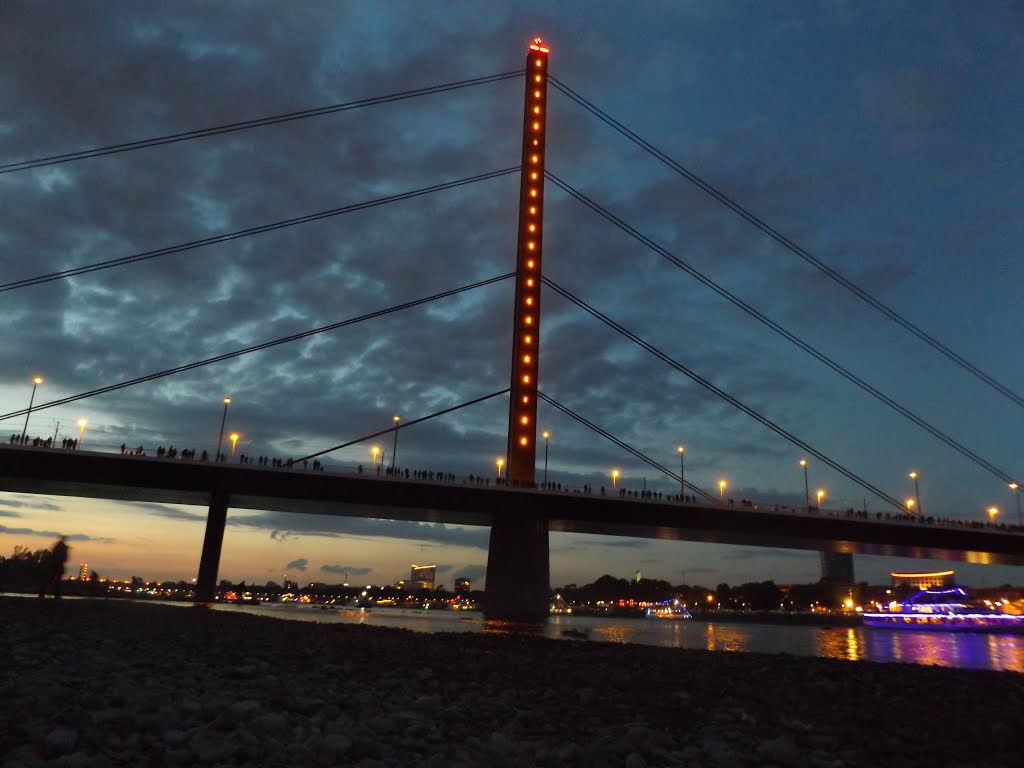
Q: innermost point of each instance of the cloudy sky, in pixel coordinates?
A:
(882, 138)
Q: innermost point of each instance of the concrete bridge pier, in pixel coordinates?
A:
(209, 563)
(518, 572)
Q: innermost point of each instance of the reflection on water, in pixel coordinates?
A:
(727, 637)
(613, 633)
(840, 644)
(519, 628)
(967, 650)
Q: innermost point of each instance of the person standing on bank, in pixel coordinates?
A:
(55, 568)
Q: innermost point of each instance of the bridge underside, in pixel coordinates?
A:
(107, 476)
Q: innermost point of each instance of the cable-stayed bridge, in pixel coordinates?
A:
(519, 515)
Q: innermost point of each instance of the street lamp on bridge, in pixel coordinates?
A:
(721, 490)
(233, 437)
(807, 488)
(917, 493)
(992, 512)
(500, 463)
(547, 438)
(81, 432)
(682, 472)
(821, 495)
(373, 452)
(615, 478)
(910, 506)
(394, 447)
(1016, 492)
(35, 383)
(224, 418)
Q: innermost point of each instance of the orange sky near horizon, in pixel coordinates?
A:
(163, 542)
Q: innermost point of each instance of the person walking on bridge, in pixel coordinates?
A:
(55, 567)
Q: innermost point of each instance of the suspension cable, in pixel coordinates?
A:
(643, 457)
(257, 230)
(789, 245)
(172, 138)
(789, 336)
(256, 347)
(403, 426)
(722, 394)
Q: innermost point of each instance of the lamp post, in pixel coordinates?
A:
(615, 478)
(500, 463)
(224, 418)
(373, 452)
(992, 512)
(721, 490)
(917, 493)
(1016, 492)
(81, 432)
(394, 446)
(547, 438)
(233, 437)
(35, 383)
(910, 506)
(807, 488)
(821, 495)
(682, 471)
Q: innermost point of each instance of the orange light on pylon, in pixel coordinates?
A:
(537, 44)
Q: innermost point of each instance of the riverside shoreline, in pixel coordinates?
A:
(97, 683)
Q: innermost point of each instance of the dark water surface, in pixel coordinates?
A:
(965, 650)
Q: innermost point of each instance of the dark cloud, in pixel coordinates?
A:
(475, 573)
(592, 542)
(345, 570)
(299, 564)
(170, 511)
(29, 503)
(285, 526)
(749, 553)
(54, 534)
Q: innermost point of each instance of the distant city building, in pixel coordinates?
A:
(462, 587)
(837, 567)
(422, 576)
(402, 584)
(924, 580)
(83, 571)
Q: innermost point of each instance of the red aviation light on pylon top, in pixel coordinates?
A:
(538, 45)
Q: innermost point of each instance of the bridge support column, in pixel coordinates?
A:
(209, 563)
(518, 570)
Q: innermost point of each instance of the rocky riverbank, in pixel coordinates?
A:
(103, 683)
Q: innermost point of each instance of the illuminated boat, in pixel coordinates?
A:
(946, 610)
(668, 609)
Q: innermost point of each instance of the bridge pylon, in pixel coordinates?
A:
(517, 561)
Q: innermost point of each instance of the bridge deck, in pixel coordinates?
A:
(130, 478)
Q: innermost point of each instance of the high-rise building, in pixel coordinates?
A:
(837, 567)
(462, 587)
(83, 572)
(422, 576)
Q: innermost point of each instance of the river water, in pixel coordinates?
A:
(966, 650)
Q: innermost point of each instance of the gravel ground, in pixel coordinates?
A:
(107, 683)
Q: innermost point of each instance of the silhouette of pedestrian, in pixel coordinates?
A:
(55, 568)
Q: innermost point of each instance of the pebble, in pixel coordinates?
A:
(232, 689)
(60, 741)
